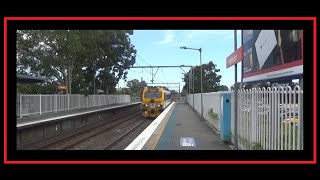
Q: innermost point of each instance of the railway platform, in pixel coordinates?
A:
(185, 130)
(178, 128)
(45, 118)
(34, 130)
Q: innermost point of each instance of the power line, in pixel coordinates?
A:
(143, 60)
(147, 70)
(149, 65)
(152, 74)
(163, 75)
(136, 71)
(141, 69)
(167, 80)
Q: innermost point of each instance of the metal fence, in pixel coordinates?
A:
(269, 119)
(135, 99)
(37, 104)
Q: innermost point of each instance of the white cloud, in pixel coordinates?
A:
(168, 37)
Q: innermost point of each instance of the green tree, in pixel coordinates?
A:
(210, 78)
(143, 84)
(125, 91)
(223, 88)
(257, 85)
(238, 85)
(135, 86)
(46, 88)
(76, 58)
(184, 92)
(49, 53)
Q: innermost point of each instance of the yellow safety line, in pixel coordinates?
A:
(159, 135)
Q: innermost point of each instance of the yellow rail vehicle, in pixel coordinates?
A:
(154, 100)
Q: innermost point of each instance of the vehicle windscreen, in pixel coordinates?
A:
(153, 94)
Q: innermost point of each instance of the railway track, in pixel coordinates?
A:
(116, 141)
(75, 139)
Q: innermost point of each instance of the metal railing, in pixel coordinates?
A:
(37, 104)
(269, 119)
(135, 99)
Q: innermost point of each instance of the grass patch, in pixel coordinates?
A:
(246, 144)
(213, 115)
(256, 146)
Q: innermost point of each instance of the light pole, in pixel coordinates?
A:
(193, 87)
(200, 50)
(235, 98)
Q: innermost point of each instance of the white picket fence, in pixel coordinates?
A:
(268, 119)
(37, 104)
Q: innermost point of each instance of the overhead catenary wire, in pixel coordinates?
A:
(147, 70)
(143, 60)
(137, 72)
(150, 72)
(163, 75)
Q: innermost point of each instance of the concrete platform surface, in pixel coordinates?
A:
(186, 131)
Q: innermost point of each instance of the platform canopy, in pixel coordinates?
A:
(29, 79)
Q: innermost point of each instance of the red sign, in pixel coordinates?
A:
(235, 57)
(62, 87)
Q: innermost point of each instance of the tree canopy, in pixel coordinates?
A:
(238, 84)
(223, 88)
(78, 59)
(210, 79)
(135, 86)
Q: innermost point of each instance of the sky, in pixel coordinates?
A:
(162, 47)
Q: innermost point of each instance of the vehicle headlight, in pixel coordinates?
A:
(146, 105)
(158, 105)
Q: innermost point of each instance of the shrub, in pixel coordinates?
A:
(213, 115)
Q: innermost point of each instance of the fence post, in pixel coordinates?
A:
(301, 118)
(68, 101)
(56, 101)
(282, 113)
(236, 143)
(253, 117)
(274, 119)
(20, 104)
(278, 118)
(40, 104)
(290, 110)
